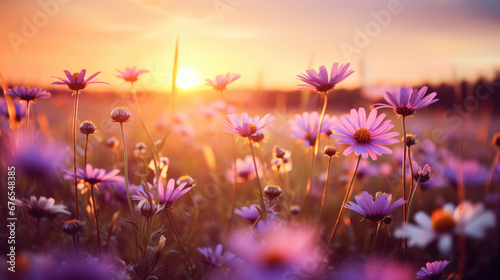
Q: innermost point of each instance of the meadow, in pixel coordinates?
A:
(223, 184)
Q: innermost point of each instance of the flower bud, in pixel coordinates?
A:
(410, 140)
(496, 140)
(279, 152)
(87, 127)
(120, 115)
(190, 182)
(140, 150)
(330, 151)
(258, 137)
(112, 143)
(294, 209)
(272, 191)
(147, 209)
(72, 227)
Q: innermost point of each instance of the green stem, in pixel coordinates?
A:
(375, 241)
(410, 199)
(155, 153)
(261, 198)
(86, 149)
(75, 117)
(179, 240)
(94, 204)
(346, 198)
(324, 194)
(125, 171)
(27, 120)
(315, 152)
(403, 183)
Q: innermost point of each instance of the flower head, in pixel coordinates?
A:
(42, 207)
(131, 74)
(472, 171)
(120, 114)
(405, 101)
(245, 170)
(166, 195)
(248, 126)
(366, 136)
(374, 209)
(77, 81)
(305, 127)
(467, 218)
(28, 94)
(250, 213)
(93, 176)
(320, 81)
(424, 173)
(20, 109)
(87, 127)
(222, 81)
(217, 257)
(432, 270)
(148, 209)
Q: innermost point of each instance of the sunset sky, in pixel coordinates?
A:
(268, 42)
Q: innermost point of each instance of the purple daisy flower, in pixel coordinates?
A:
(365, 136)
(405, 101)
(131, 74)
(166, 195)
(28, 94)
(250, 213)
(320, 81)
(432, 270)
(221, 81)
(217, 257)
(473, 172)
(20, 109)
(305, 127)
(93, 176)
(245, 170)
(374, 209)
(42, 207)
(248, 126)
(77, 81)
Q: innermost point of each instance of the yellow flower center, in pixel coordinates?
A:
(363, 135)
(75, 75)
(442, 221)
(253, 129)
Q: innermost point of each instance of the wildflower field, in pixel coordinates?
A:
(319, 182)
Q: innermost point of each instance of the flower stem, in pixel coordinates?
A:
(125, 170)
(346, 198)
(155, 150)
(403, 183)
(374, 241)
(235, 171)
(94, 204)
(27, 120)
(179, 240)
(491, 171)
(86, 149)
(410, 198)
(75, 116)
(315, 151)
(261, 198)
(324, 194)
(411, 176)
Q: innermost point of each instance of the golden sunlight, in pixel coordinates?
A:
(188, 78)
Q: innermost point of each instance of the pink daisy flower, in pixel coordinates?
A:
(220, 82)
(166, 195)
(131, 74)
(320, 81)
(248, 126)
(374, 209)
(77, 81)
(305, 127)
(250, 213)
(366, 136)
(93, 176)
(432, 270)
(245, 170)
(28, 94)
(405, 101)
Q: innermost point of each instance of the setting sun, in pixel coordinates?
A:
(187, 78)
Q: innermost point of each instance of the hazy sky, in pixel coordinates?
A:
(387, 42)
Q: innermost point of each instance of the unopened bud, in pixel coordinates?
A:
(190, 182)
(120, 115)
(272, 191)
(330, 151)
(87, 127)
(410, 140)
(72, 227)
(294, 209)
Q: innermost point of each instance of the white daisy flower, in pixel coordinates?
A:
(467, 218)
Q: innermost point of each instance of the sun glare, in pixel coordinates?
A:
(187, 78)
